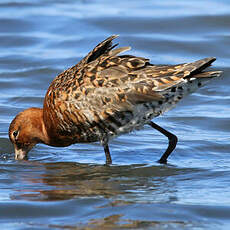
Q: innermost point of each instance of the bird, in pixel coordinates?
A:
(105, 95)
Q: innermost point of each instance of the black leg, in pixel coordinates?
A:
(172, 142)
(107, 155)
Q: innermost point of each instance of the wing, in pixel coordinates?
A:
(103, 90)
(102, 48)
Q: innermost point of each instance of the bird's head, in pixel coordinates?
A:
(26, 130)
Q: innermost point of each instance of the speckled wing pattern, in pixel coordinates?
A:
(107, 94)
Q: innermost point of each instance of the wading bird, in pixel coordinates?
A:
(105, 95)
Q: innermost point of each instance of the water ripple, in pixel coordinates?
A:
(71, 188)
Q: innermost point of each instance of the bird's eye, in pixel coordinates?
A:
(15, 133)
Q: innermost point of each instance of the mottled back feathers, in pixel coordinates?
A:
(105, 91)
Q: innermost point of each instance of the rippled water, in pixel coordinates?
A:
(70, 188)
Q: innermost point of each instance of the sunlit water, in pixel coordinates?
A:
(70, 188)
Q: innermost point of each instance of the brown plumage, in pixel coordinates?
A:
(105, 95)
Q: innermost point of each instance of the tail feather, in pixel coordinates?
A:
(209, 74)
(197, 67)
(202, 64)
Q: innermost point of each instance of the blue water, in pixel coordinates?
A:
(71, 188)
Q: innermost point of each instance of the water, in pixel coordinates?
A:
(70, 188)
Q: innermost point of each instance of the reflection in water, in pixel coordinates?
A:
(117, 222)
(105, 197)
(45, 37)
(62, 181)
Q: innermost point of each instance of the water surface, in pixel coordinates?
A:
(71, 188)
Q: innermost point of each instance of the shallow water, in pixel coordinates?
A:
(71, 188)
